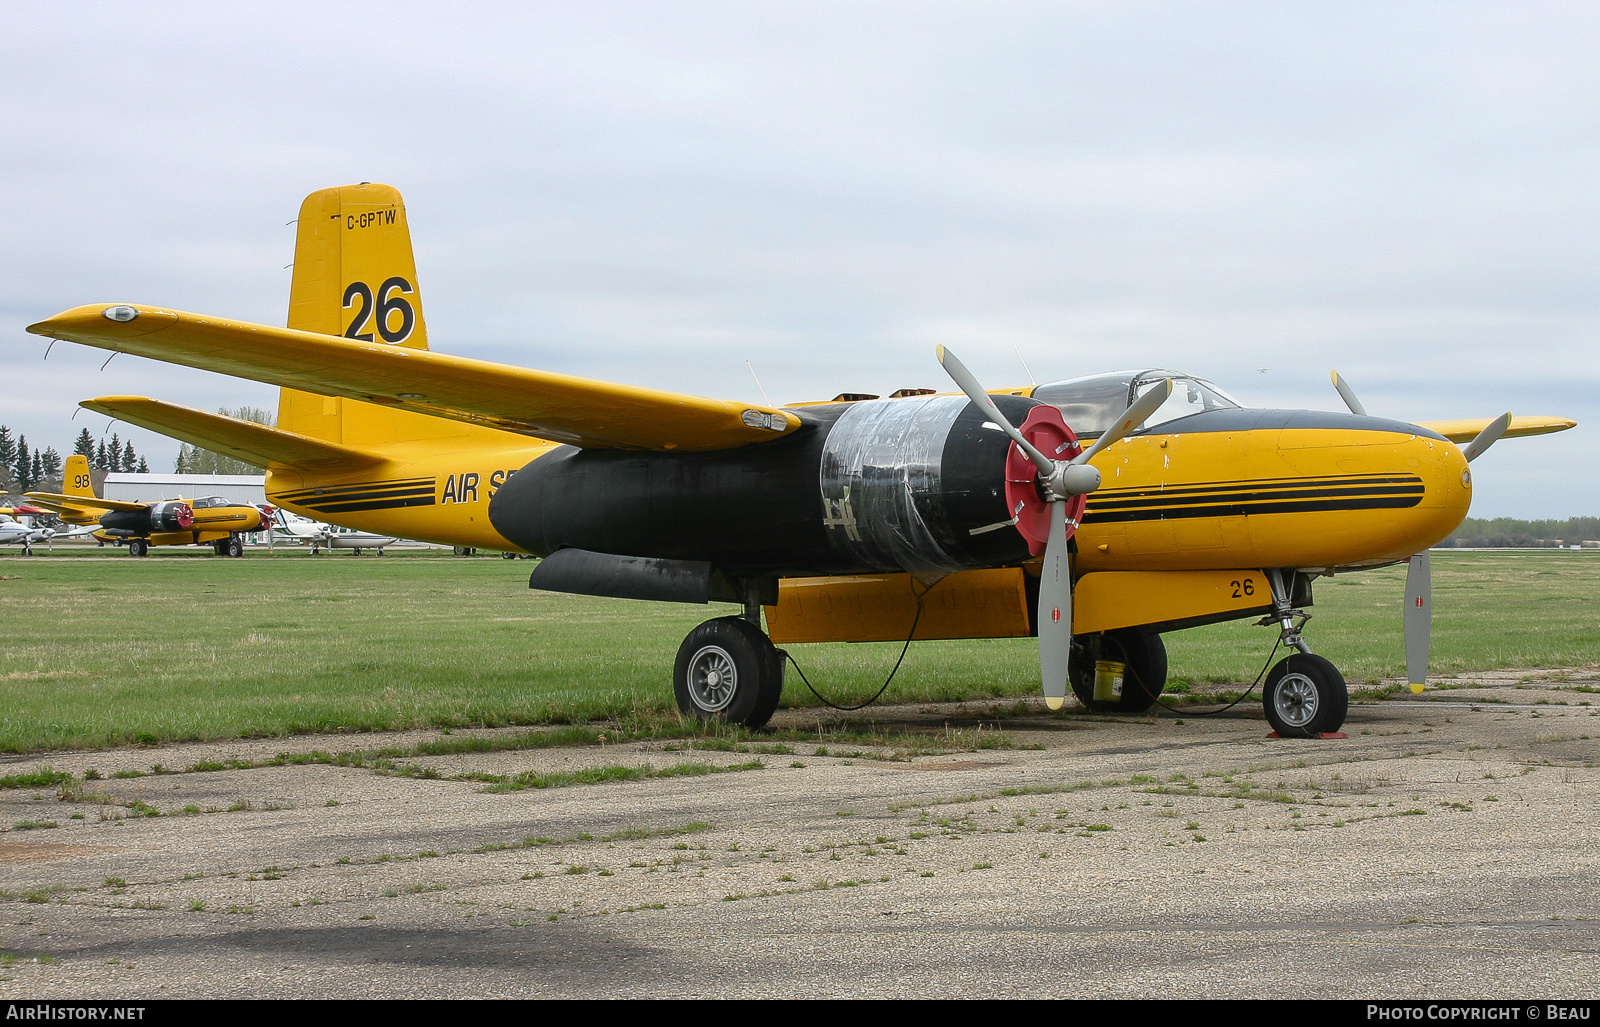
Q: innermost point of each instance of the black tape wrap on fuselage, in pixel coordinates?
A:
(922, 473)
(160, 517)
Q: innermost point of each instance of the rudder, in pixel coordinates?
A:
(355, 276)
(75, 477)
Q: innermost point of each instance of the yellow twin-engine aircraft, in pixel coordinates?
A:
(174, 522)
(967, 515)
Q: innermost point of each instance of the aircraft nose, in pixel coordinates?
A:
(1404, 488)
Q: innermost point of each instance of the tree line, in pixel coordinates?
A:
(24, 468)
(1501, 532)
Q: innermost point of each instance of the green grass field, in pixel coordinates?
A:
(177, 646)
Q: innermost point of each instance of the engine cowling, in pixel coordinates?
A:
(173, 515)
(914, 484)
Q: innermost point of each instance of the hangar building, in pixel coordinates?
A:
(152, 488)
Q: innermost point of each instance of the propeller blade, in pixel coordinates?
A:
(1131, 418)
(1419, 619)
(958, 371)
(1348, 394)
(1055, 610)
(1486, 438)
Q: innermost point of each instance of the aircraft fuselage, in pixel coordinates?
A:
(914, 484)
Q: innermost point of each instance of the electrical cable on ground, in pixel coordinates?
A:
(1224, 709)
(848, 709)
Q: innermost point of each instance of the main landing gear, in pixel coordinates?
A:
(728, 670)
(233, 546)
(1144, 661)
(138, 547)
(1305, 695)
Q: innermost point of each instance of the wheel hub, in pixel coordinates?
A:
(712, 678)
(1296, 700)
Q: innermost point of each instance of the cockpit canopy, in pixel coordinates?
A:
(1092, 404)
(210, 503)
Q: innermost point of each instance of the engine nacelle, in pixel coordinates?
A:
(914, 484)
(919, 485)
(173, 515)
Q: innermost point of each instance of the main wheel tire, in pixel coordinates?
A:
(727, 669)
(138, 547)
(1305, 696)
(233, 547)
(1140, 651)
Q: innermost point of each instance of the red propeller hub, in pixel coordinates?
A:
(184, 514)
(1048, 431)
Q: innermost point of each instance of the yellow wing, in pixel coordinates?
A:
(1466, 429)
(558, 407)
(253, 443)
(59, 502)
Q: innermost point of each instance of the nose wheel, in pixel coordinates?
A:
(1305, 696)
(728, 670)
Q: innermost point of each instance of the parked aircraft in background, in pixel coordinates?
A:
(969, 515)
(174, 522)
(321, 535)
(14, 532)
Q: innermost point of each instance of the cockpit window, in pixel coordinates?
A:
(1189, 396)
(1092, 404)
(209, 503)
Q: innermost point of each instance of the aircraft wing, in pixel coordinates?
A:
(1467, 429)
(543, 404)
(253, 443)
(58, 502)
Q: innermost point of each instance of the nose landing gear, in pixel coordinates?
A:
(1305, 696)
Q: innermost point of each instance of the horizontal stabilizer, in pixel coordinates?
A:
(243, 440)
(543, 404)
(59, 503)
(1467, 429)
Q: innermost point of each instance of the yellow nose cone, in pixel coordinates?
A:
(1054, 702)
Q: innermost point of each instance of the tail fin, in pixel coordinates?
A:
(354, 276)
(75, 477)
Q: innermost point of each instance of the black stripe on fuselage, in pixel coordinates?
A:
(1232, 499)
(1093, 516)
(375, 504)
(361, 487)
(1270, 486)
(1250, 496)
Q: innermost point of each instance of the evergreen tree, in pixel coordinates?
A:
(85, 445)
(49, 464)
(24, 465)
(144, 467)
(8, 458)
(99, 460)
(36, 472)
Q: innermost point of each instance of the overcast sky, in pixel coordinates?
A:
(656, 193)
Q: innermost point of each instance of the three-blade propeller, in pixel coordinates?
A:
(1058, 481)
(1419, 569)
